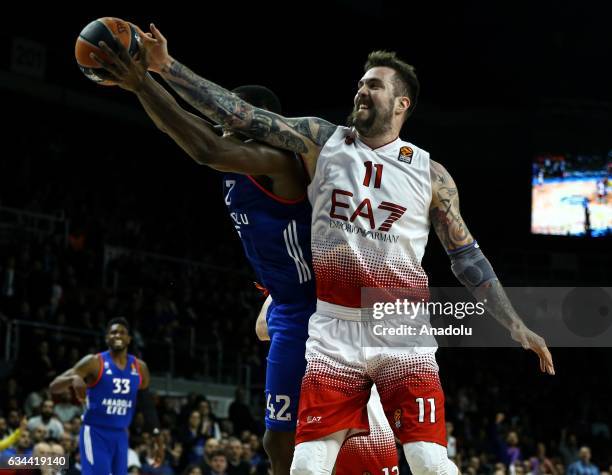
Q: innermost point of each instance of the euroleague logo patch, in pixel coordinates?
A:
(397, 415)
(405, 155)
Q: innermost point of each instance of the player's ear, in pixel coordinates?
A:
(403, 104)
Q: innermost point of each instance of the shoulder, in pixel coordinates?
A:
(88, 366)
(141, 363)
(413, 155)
(143, 370)
(337, 134)
(415, 149)
(439, 174)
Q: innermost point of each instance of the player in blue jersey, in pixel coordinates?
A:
(109, 383)
(264, 190)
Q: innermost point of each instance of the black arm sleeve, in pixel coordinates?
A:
(471, 267)
(147, 406)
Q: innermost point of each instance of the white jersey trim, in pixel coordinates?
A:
(88, 445)
(295, 252)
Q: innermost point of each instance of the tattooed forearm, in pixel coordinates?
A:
(444, 212)
(214, 101)
(497, 303)
(453, 233)
(224, 107)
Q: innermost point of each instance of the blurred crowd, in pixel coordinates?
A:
(199, 443)
(196, 441)
(197, 320)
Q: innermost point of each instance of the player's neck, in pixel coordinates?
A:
(381, 140)
(119, 357)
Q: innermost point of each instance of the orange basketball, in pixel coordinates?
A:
(98, 30)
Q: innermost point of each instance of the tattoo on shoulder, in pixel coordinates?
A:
(444, 213)
(323, 130)
(289, 133)
(317, 130)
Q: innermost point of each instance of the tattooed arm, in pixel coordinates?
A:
(305, 135)
(472, 268)
(444, 210)
(196, 136)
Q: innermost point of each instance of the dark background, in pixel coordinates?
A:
(501, 82)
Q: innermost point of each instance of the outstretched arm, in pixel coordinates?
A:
(192, 133)
(472, 268)
(305, 135)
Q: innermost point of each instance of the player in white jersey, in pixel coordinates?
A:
(375, 454)
(373, 201)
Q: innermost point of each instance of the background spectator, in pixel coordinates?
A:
(47, 420)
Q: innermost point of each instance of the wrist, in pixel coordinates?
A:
(167, 65)
(517, 326)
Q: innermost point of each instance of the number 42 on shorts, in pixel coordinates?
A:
(281, 414)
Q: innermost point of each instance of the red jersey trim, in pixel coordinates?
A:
(284, 201)
(139, 372)
(99, 372)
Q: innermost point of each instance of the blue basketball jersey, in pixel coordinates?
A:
(111, 401)
(275, 234)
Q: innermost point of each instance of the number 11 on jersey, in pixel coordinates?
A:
(368, 175)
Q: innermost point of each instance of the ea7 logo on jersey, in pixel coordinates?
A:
(405, 155)
(313, 419)
(364, 210)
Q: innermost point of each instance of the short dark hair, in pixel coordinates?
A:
(259, 96)
(406, 82)
(118, 321)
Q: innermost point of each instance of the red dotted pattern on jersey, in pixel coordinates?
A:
(343, 269)
(369, 453)
(391, 371)
(399, 377)
(323, 371)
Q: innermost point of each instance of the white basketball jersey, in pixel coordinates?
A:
(370, 217)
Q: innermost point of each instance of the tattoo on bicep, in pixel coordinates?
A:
(445, 216)
(271, 128)
(324, 131)
(317, 130)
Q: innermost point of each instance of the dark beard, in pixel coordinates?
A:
(375, 124)
(362, 126)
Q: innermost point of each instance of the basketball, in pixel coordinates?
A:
(98, 30)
